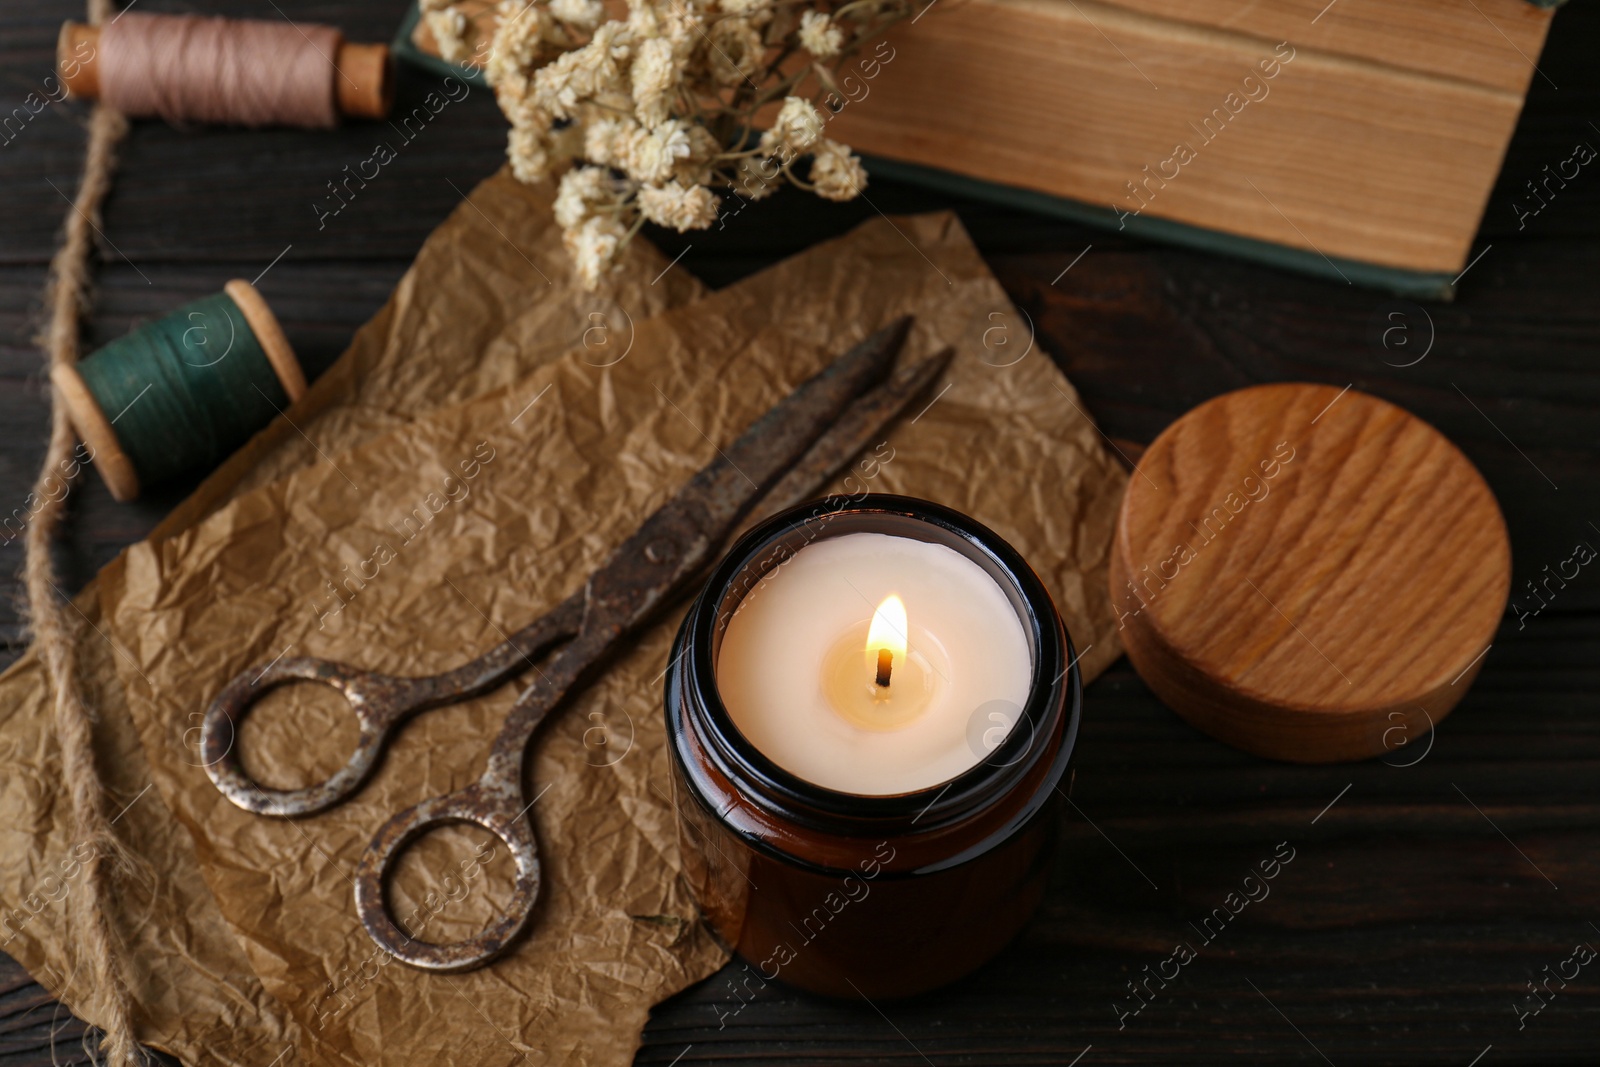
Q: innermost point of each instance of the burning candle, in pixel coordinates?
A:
(875, 664)
(871, 710)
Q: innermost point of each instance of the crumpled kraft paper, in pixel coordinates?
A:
(423, 547)
(196, 993)
(497, 261)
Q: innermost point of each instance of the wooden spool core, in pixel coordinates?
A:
(365, 86)
(363, 82)
(1306, 575)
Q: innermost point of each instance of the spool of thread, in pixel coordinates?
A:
(236, 72)
(181, 393)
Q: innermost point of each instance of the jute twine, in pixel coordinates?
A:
(55, 631)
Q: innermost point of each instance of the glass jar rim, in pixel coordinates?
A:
(1054, 690)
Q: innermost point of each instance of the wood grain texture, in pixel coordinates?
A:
(1119, 109)
(1308, 573)
(1407, 926)
(1486, 42)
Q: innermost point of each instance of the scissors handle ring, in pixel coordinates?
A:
(485, 804)
(378, 701)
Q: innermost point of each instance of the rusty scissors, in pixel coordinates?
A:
(779, 461)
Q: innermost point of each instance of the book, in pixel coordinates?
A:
(1355, 139)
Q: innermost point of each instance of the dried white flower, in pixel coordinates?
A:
(686, 19)
(659, 109)
(835, 173)
(528, 153)
(514, 52)
(590, 71)
(819, 36)
(643, 21)
(656, 73)
(682, 207)
(680, 22)
(584, 14)
(649, 155)
(602, 141)
(735, 51)
(448, 27)
(583, 189)
(699, 166)
(798, 125)
(593, 246)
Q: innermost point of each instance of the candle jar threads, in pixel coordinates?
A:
(850, 894)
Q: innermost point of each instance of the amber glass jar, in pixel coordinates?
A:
(844, 894)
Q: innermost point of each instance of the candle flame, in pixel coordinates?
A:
(888, 629)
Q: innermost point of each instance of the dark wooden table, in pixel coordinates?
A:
(1412, 918)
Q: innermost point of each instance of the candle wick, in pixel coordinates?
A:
(885, 665)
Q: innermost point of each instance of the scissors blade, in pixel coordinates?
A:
(678, 539)
(855, 430)
(746, 469)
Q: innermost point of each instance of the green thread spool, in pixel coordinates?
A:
(183, 392)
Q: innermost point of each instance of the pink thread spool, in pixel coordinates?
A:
(243, 72)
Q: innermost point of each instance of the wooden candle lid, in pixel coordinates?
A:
(1308, 574)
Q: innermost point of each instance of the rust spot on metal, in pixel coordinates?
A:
(660, 550)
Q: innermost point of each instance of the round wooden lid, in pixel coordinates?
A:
(1307, 573)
